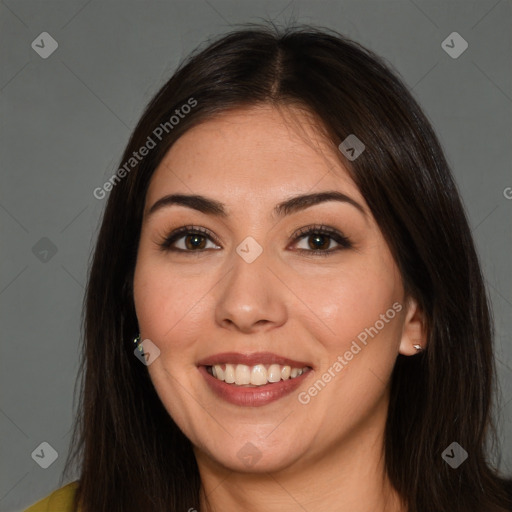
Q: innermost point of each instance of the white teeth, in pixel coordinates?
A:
(257, 375)
(229, 374)
(219, 372)
(274, 373)
(242, 375)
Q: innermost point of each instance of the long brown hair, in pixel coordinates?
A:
(131, 455)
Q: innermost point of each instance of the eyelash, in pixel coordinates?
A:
(317, 229)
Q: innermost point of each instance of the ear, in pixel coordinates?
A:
(414, 331)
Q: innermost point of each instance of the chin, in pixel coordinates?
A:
(256, 457)
(261, 463)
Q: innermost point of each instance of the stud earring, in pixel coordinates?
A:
(138, 344)
(419, 348)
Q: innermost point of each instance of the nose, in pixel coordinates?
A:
(250, 298)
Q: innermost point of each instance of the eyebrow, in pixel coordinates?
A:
(212, 207)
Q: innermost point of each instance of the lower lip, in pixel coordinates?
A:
(252, 396)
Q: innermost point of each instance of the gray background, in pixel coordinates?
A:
(65, 121)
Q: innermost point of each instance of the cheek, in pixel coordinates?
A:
(362, 312)
(350, 302)
(168, 304)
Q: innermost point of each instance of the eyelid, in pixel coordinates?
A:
(315, 228)
(342, 240)
(182, 231)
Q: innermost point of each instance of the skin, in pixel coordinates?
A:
(324, 455)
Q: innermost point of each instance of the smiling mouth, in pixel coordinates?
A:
(254, 376)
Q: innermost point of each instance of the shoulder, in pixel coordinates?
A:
(62, 500)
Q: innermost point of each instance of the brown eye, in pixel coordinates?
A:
(317, 240)
(195, 241)
(189, 239)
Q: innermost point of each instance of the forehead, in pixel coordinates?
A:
(259, 152)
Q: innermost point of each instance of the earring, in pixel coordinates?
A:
(419, 348)
(138, 344)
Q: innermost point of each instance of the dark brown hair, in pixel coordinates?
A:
(131, 455)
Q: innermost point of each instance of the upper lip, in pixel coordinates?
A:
(251, 359)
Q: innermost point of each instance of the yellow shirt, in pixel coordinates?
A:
(59, 501)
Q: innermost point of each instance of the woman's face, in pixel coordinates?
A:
(253, 294)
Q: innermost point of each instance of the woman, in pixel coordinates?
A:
(285, 310)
